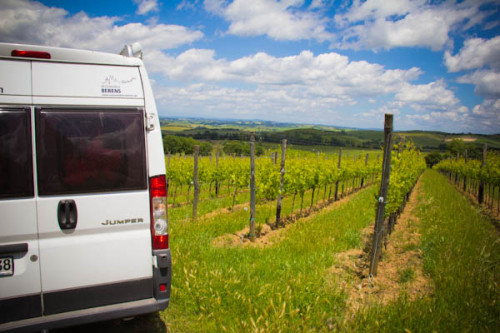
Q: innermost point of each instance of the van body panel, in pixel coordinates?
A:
(101, 295)
(18, 220)
(15, 100)
(156, 158)
(71, 101)
(82, 80)
(65, 55)
(108, 230)
(85, 316)
(154, 148)
(20, 289)
(15, 79)
(18, 226)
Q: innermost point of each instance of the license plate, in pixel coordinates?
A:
(6, 266)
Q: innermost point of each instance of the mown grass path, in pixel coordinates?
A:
(461, 252)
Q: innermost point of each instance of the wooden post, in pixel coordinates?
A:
(217, 168)
(480, 196)
(465, 177)
(251, 233)
(337, 181)
(384, 186)
(282, 180)
(195, 178)
(366, 164)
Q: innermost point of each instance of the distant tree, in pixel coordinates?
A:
(187, 145)
(241, 148)
(235, 147)
(175, 144)
(205, 148)
(456, 147)
(433, 159)
(171, 144)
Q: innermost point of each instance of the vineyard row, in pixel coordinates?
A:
(480, 179)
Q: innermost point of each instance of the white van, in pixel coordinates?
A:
(83, 228)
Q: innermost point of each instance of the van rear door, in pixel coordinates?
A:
(93, 200)
(20, 290)
(93, 207)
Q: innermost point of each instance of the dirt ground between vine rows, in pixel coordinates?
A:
(399, 271)
(266, 236)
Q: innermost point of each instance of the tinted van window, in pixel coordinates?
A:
(16, 166)
(85, 151)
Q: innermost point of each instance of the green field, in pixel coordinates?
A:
(285, 286)
(294, 280)
(315, 135)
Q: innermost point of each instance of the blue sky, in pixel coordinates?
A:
(434, 64)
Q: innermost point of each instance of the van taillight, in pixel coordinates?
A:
(159, 226)
(30, 54)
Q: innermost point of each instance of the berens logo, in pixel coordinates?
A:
(111, 90)
(111, 85)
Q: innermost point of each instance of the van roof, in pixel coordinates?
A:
(58, 54)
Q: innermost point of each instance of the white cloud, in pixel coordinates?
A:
(487, 115)
(324, 88)
(376, 9)
(280, 20)
(476, 53)
(328, 74)
(487, 82)
(277, 103)
(317, 4)
(146, 6)
(24, 21)
(488, 107)
(453, 119)
(376, 24)
(187, 5)
(433, 95)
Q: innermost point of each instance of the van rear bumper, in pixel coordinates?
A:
(79, 317)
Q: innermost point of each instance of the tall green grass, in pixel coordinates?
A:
(285, 287)
(276, 288)
(462, 256)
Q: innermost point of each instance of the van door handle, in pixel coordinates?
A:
(67, 214)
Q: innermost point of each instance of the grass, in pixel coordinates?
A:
(276, 288)
(406, 275)
(284, 287)
(462, 255)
